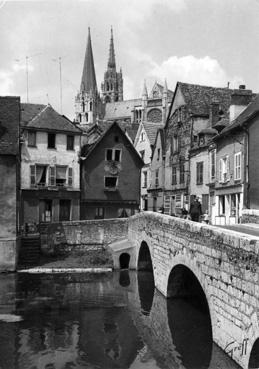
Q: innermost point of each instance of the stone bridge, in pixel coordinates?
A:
(218, 267)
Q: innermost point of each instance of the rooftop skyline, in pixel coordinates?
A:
(209, 42)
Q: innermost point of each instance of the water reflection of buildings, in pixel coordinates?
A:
(100, 322)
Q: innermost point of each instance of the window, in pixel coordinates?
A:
(70, 142)
(99, 213)
(157, 178)
(38, 175)
(174, 179)
(32, 139)
(111, 182)
(142, 136)
(212, 165)
(61, 176)
(175, 143)
(51, 141)
(45, 210)
(237, 166)
(182, 173)
(142, 154)
(158, 154)
(144, 179)
(91, 106)
(179, 115)
(224, 169)
(199, 173)
(113, 155)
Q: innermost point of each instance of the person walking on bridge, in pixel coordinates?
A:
(195, 210)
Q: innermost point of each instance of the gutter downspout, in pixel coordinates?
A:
(246, 170)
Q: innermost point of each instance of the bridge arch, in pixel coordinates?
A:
(124, 260)
(144, 257)
(254, 353)
(191, 264)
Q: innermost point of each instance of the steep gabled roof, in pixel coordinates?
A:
(151, 130)
(198, 98)
(88, 149)
(44, 117)
(161, 133)
(9, 125)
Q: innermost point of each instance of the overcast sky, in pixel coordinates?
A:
(210, 42)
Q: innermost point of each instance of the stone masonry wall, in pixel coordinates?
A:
(250, 216)
(224, 262)
(59, 238)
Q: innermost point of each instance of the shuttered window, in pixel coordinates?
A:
(70, 177)
(33, 175)
(52, 176)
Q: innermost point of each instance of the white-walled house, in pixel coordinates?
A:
(144, 143)
(50, 172)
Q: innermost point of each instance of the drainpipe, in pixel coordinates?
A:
(246, 169)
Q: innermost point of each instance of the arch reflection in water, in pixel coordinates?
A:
(124, 279)
(189, 318)
(254, 357)
(146, 284)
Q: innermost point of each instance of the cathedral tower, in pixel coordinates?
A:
(112, 86)
(87, 101)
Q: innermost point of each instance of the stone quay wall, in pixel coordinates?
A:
(250, 216)
(84, 235)
(226, 264)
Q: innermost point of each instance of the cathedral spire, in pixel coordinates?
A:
(88, 82)
(111, 61)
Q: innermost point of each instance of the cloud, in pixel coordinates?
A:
(6, 82)
(204, 71)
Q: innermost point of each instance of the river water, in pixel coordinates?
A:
(114, 320)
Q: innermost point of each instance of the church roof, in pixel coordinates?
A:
(111, 60)
(88, 82)
(121, 109)
(44, 117)
(151, 130)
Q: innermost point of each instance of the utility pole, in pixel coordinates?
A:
(59, 61)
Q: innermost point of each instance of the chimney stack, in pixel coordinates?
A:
(240, 98)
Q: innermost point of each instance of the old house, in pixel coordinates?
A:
(156, 186)
(144, 144)
(10, 181)
(227, 189)
(110, 176)
(189, 115)
(50, 166)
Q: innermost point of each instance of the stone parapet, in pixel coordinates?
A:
(250, 216)
(81, 235)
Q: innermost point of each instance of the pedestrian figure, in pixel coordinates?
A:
(184, 213)
(195, 210)
(206, 217)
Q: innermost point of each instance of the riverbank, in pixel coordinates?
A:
(83, 260)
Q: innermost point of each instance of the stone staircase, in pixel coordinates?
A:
(30, 250)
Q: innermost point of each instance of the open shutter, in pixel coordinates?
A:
(220, 170)
(70, 177)
(52, 176)
(228, 168)
(33, 175)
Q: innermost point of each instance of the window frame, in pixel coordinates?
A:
(174, 175)
(69, 143)
(212, 165)
(182, 173)
(237, 166)
(34, 133)
(113, 152)
(157, 178)
(199, 172)
(111, 188)
(145, 179)
(53, 135)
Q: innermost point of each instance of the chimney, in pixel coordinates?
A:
(214, 112)
(240, 98)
